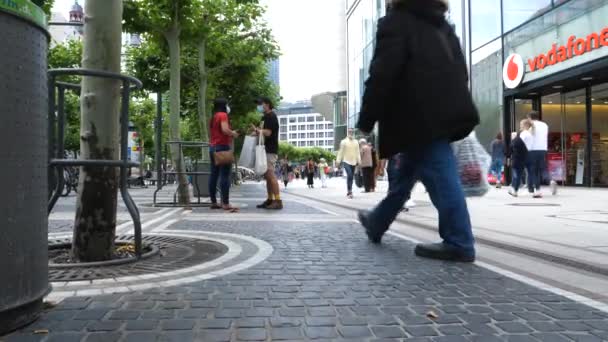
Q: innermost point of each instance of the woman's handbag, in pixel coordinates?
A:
(222, 158)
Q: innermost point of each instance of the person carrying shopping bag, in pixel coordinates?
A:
(221, 155)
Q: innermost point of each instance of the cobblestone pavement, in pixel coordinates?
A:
(324, 281)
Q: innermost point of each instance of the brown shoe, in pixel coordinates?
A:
(275, 205)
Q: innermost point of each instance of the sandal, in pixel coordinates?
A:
(215, 206)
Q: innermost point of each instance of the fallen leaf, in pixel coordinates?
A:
(41, 331)
(48, 305)
(432, 315)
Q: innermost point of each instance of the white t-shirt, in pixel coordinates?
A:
(540, 136)
(528, 139)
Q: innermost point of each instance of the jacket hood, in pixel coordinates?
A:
(431, 10)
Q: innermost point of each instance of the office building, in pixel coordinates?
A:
(302, 127)
(550, 56)
(274, 73)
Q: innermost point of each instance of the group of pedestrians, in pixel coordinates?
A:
(527, 155)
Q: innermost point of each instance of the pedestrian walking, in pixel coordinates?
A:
(498, 156)
(285, 171)
(537, 154)
(418, 56)
(310, 173)
(270, 130)
(324, 172)
(367, 165)
(518, 154)
(220, 154)
(349, 157)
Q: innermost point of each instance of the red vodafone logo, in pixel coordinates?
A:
(513, 71)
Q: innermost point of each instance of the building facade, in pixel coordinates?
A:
(550, 56)
(274, 73)
(302, 127)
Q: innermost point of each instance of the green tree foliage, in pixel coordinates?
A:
(301, 154)
(46, 5)
(69, 55)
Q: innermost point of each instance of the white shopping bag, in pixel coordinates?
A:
(473, 163)
(247, 158)
(261, 163)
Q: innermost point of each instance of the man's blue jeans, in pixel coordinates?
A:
(496, 169)
(350, 170)
(435, 165)
(221, 173)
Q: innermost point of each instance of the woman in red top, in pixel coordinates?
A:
(221, 140)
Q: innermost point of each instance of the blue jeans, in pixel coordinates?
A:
(496, 169)
(536, 168)
(350, 171)
(221, 173)
(435, 165)
(517, 173)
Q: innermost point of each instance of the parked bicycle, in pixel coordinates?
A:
(70, 177)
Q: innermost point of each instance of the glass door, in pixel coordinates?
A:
(599, 129)
(566, 116)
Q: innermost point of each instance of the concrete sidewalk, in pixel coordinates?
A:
(569, 228)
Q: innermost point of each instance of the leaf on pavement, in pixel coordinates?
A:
(432, 315)
(41, 331)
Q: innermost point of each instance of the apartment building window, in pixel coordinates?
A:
(283, 137)
(330, 126)
(302, 127)
(320, 126)
(293, 136)
(329, 134)
(311, 135)
(292, 120)
(283, 129)
(283, 121)
(301, 143)
(310, 143)
(311, 127)
(302, 136)
(310, 118)
(301, 119)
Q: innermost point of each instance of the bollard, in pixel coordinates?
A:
(23, 163)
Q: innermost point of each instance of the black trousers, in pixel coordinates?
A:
(368, 178)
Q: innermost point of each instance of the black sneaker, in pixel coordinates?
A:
(373, 235)
(264, 205)
(441, 251)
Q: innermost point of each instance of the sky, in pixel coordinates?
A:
(310, 36)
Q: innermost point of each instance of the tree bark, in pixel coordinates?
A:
(172, 37)
(202, 90)
(95, 223)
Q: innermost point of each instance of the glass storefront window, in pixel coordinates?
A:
(485, 21)
(599, 129)
(455, 17)
(516, 12)
(486, 77)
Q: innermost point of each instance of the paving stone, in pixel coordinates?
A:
(582, 337)
(177, 324)
(140, 336)
(260, 312)
(486, 338)
(215, 323)
(215, 335)
(388, 332)
(68, 326)
(144, 324)
(66, 337)
(251, 334)
(421, 331)
(193, 313)
(546, 326)
(104, 326)
(25, 338)
(124, 315)
(292, 312)
(229, 313)
(204, 304)
(514, 327)
(322, 312)
(453, 330)
(574, 326)
(287, 334)
(89, 315)
(449, 339)
(158, 314)
(520, 338)
(251, 323)
(355, 332)
(144, 305)
(177, 336)
(320, 332)
(550, 337)
(103, 337)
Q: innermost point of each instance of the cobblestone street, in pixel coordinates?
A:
(321, 280)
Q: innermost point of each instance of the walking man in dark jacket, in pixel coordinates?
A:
(417, 66)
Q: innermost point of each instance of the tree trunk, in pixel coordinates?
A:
(172, 37)
(202, 91)
(95, 223)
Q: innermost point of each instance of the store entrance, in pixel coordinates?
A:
(567, 155)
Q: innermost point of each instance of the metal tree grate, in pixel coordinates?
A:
(175, 253)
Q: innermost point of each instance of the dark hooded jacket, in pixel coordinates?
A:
(414, 45)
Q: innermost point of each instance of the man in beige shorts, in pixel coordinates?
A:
(270, 130)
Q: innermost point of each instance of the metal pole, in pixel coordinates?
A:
(51, 137)
(159, 139)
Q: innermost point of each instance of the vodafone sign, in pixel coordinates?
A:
(514, 68)
(513, 71)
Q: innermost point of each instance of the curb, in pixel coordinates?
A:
(557, 259)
